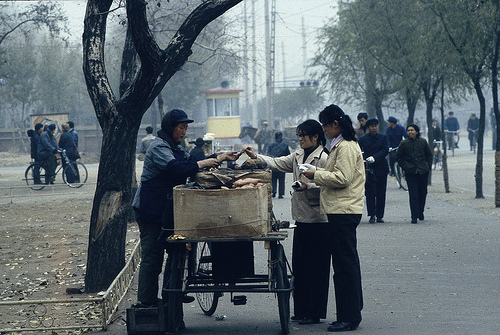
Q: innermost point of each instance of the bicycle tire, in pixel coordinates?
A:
(79, 171)
(208, 301)
(280, 277)
(29, 176)
(399, 176)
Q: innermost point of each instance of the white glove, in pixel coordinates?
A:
(304, 167)
(370, 159)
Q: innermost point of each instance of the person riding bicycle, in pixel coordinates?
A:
(472, 128)
(395, 134)
(67, 142)
(47, 150)
(452, 126)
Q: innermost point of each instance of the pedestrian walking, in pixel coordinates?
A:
(278, 149)
(375, 148)
(415, 157)
(395, 134)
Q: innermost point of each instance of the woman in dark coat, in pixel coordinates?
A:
(415, 157)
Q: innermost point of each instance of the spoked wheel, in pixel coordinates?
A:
(174, 298)
(75, 174)
(399, 176)
(207, 300)
(282, 283)
(35, 176)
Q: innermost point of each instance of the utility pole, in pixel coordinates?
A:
(255, 121)
(245, 57)
(270, 57)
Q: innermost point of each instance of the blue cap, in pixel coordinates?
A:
(371, 121)
(392, 119)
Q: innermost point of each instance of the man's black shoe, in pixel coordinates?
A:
(341, 326)
(308, 321)
(186, 299)
(413, 220)
(380, 220)
(372, 219)
(421, 217)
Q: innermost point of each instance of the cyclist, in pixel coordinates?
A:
(452, 126)
(473, 128)
(47, 150)
(395, 134)
(67, 142)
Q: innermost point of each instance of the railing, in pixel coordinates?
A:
(93, 312)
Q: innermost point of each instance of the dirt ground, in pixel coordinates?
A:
(43, 244)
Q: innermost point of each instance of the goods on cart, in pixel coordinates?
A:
(224, 212)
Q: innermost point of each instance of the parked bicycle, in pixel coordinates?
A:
(437, 159)
(398, 172)
(74, 174)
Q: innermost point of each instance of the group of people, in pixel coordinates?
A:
(44, 148)
(331, 178)
(327, 208)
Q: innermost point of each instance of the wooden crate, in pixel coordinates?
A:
(146, 321)
(214, 213)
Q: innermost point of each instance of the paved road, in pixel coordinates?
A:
(441, 276)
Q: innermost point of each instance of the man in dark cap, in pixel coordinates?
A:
(375, 148)
(451, 127)
(197, 151)
(166, 165)
(395, 134)
(473, 129)
(47, 150)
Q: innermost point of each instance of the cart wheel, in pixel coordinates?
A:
(207, 300)
(174, 299)
(282, 282)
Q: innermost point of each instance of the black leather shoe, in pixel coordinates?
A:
(421, 217)
(296, 318)
(372, 219)
(341, 326)
(380, 220)
(413, 220)
(308, 321)
(186, 299)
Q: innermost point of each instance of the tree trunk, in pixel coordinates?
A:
(111, 209)
(480, 139)
(120, 119)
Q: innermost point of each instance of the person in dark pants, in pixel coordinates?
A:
(415, 157)
(375, 149)
(311, 245)
(34, 139)
(47, 150)
(342, 183)
(67, 142)
(166, 165)
(395, 134)
(278, 149)
(473, 128)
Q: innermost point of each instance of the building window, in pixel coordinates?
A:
(221, 107)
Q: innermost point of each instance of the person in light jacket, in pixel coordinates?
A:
(342, 183)
(311, 250)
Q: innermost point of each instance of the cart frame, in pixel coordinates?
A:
(189, 272)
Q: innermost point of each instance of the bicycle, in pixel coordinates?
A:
(437, 159)
(398, 172)
(473, 139)
(450, 139)
(76, 172)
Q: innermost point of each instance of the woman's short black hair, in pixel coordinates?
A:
(417, 129)
(312, 127)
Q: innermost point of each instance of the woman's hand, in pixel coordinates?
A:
(228, 156)
(209, 162)
(309, 173)
(249, 151)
